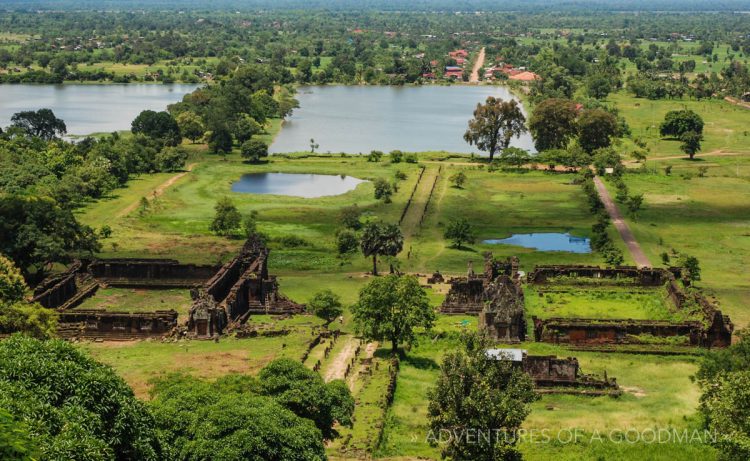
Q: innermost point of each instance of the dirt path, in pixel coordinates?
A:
(337, 368)
(622, 227)
(737, 102)
(474, 78)
(158, 191)
(714, 153)
(413, 216)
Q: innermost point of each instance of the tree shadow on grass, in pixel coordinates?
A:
(422, 363)
(464, 248)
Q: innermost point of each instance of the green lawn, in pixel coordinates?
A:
(140, 300)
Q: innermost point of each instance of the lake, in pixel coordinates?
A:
(356, 119)
(296, 184)
(90, 109)
(546, 241)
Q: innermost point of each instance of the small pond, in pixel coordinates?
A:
(296, 184)
(546, 241)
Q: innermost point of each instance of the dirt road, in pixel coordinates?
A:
(622, 227)
(337, 368)
(474, 78)
(158, 191)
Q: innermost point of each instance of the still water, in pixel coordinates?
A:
(90, 109)
(549, 241)
(295, 184)
(357, 119)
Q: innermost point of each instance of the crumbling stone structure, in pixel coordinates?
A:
(502, 317)
(467, 294)
(240, 288)
(715, 330)
(100, 324)
(549, 371)
(222, 295)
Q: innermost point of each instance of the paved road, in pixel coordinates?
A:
(622, 227)
(474, 78)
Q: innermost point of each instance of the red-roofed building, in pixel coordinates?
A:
(458, 54)
(454, 72)
(525, 76)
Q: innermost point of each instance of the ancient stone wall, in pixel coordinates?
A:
(645, 276)
(150, 272)
(98, 323)
(56, 289)
(467, 294)
(503, 315)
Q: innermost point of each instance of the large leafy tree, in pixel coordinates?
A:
(191, 125)
(326, 304)
(678, 122)
(495, 123)
(304, 392)
(553, 123)
(380, 239)
(227, 219)
(475, 393)
(157, 125)
(392, 308)
(41, 123)
(74, 407)
(35, 231)
(596, 128)
(459, 231)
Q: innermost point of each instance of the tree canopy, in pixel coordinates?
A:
(41, 123)
(553, 123)
(495, 123)
(157, 125)
(380, 239)
(393, 308)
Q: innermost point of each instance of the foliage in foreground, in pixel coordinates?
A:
(284, 414)
(16, 315)
(478, 404)
(74, 407)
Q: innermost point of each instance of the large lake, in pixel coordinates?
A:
(90, 109)
(357, 119)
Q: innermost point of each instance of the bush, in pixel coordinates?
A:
(396, 156)
(254, 150)
(171, 159)
(346, 241)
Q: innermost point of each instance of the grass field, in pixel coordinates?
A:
(597, 302)
(140, 300)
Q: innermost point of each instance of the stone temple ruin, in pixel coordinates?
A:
(223, 296)
(497, 297)
(556, 375)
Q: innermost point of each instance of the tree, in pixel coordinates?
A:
(171, 159)
(477, 393)
(553, 124)
(691, 143)
(35, 231)
(494, 124)
(459, 231)
(635, 203)
(304, 392)
(230, 419)
(350, 217)
(596, 128)
(254, 150)
(227, 218)
(79, 409)
(326, 305)
(379, 239)
(41, 123)
(724, 379)
(392, 308)
(250, 225)
(691, 266)
(346, 241)
(313, 145)
(12, 284)
(245, 128)
(515, 156)
(383, 190)
(157, 125)
(458, 179)
(191, 125)
(678, 122)
(220, 141)
(598, 86)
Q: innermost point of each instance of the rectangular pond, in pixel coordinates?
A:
(546, 241)
(358, 119)
(90, 109)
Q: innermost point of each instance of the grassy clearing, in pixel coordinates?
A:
(725, 130)
(597, 302)
(140, 300)
(139, 362)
